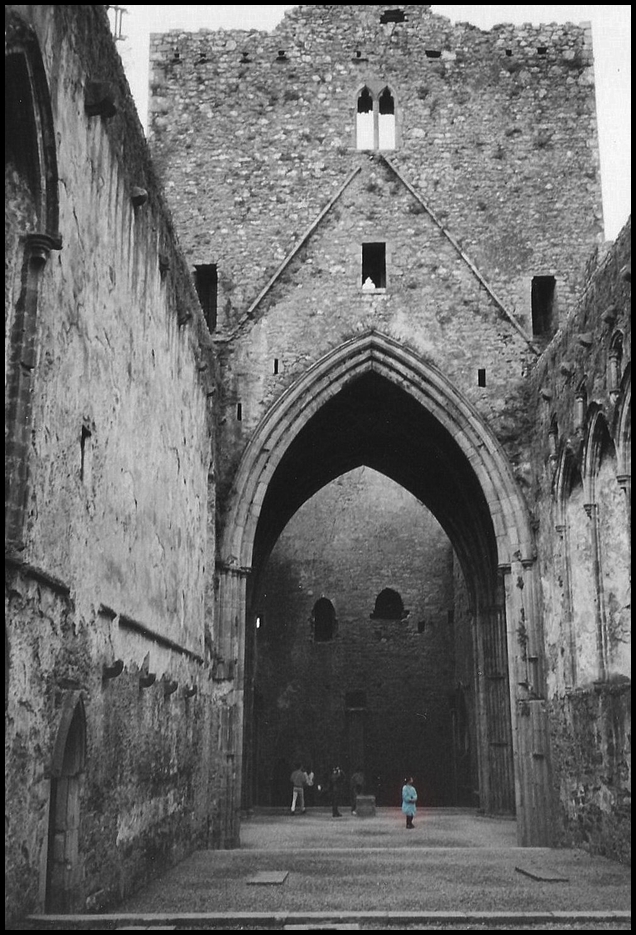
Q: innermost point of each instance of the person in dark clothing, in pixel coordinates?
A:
(357, 785)
(336, 780)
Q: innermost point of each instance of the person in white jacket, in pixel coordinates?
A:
(299, 779)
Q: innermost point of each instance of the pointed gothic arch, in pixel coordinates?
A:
(63, 877)
(623, 424)
(31, 171)
(496, 551)
(378, 354)
(30, 108)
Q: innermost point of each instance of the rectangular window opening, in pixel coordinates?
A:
(393, 16)
(373, 266)
(275, 365)
(433, 53)
(239, 412)
(481, 377)
(543, 305)
(206, 283)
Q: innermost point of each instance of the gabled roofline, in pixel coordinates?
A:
(249, 314)
(500, 305)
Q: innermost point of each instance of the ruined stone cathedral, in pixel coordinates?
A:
(317, 420)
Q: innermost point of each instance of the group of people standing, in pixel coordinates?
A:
(301, 779)
(334, 786)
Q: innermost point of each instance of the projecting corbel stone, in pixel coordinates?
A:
(111, 672)
(189, 691)
(546, 393)
(99, 99)
(169, 687)
(566, 368)
(585, 339)
(146, 678)
(138, 196)
(164, 264)
(609, 315)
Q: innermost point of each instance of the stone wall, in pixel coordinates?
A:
(254, 135)
(496, 130)
(397, 676)
(110, 379)
(581, 492)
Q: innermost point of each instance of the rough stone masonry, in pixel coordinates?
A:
(319, 401)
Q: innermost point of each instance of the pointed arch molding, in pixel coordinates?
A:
(72, 705)
(377, 353)
(21, 41)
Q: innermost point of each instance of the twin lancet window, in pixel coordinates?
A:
(375, 120)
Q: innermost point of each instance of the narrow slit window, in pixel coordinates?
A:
(85, 455)
(275, 365)
(481, 377)
(386, 120)
(543, 305)
(364, 120)
(206, 284)
(239, 412)
(373, 266)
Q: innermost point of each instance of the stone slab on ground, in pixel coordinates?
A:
(268, 877)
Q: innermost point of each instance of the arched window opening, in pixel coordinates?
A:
(615, 363)
(580, 405)
(389, 606)
(613, 555)
(581, 597)
(364, 120)
(386, 120)
(375, 120)
(324, 620)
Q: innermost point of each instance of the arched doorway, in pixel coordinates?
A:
(372, 402)
(63, 878)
